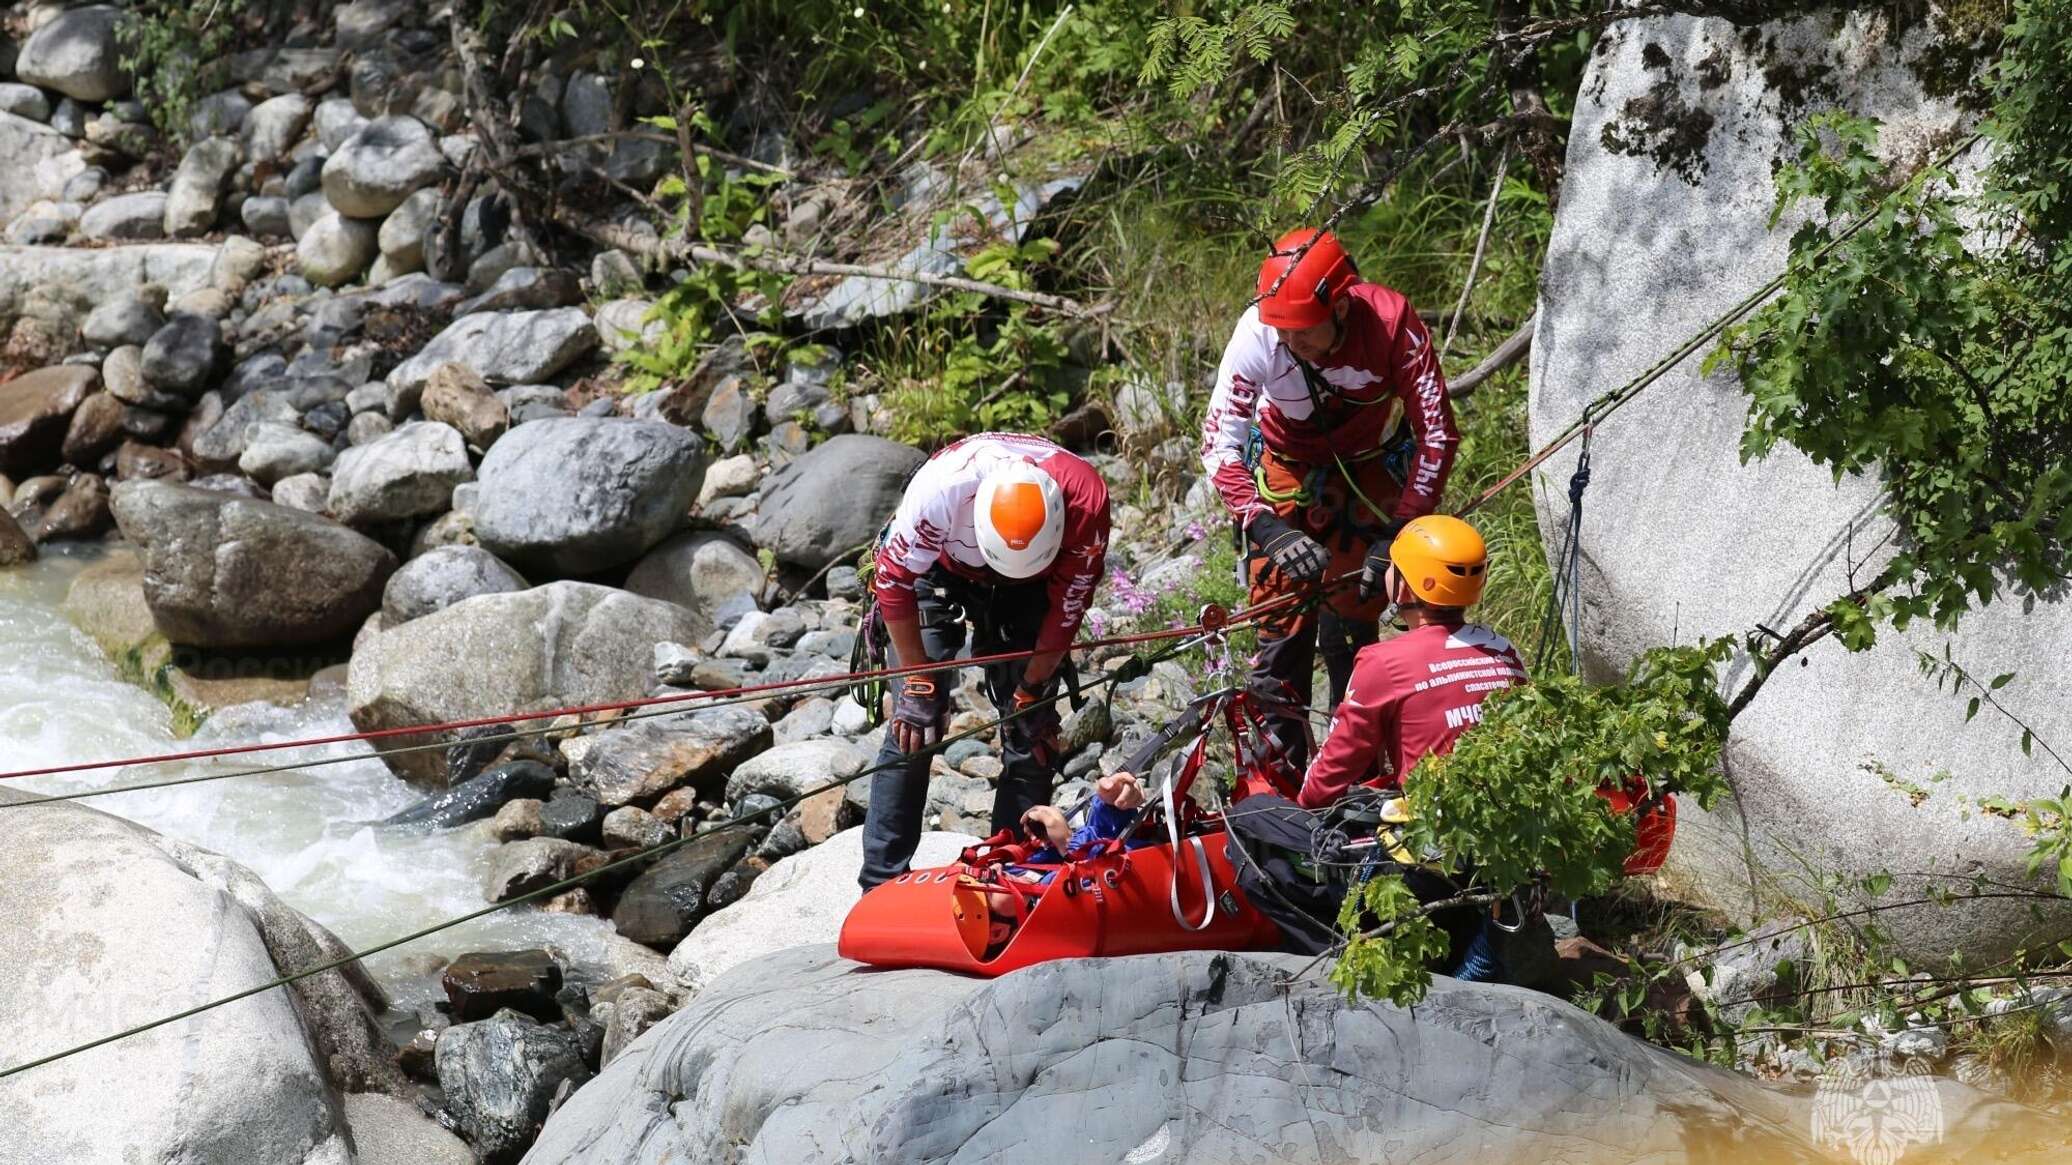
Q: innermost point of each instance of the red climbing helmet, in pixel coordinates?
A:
(1303, 298)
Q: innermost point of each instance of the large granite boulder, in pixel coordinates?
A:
(553, 646)
(106, 925)
(802, 899)
(77, 55)
(803, 1057)
(39, 160)
(223, 571)
(1670, 170)
(36, 412)
(583, 494)
(833, 499)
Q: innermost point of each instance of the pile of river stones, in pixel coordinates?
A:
(394, 463)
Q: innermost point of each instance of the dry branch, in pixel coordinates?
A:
(1511, 351)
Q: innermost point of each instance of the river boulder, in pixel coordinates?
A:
(35, 414)
(1197, 1056)
(500, 1076)
(833, 499)
(77, 55)
(222, 571)
(1670, 168)
(584, 494)
(409, 473)
(107, 925)
(380, 166)
(441, 577)
(668, 898)
(503, 347)
(565, 643)
(706, 571)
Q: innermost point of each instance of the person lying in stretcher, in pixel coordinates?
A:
(1117, 802)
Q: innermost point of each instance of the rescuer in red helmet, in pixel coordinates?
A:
(1329, 430)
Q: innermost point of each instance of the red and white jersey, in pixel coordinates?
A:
(1409, 696)
(934, 526)
(1384, 367)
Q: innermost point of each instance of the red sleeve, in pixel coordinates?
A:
(1082, 560)
(1422, 387)
(894, 584)
(1360, 734)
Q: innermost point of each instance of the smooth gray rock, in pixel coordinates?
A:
(130, 318)
(834, 499)
(709, 573)
(275, 125)
(387, 1131)
(403, 231)
(792, 770)
(267, 217)
(220, 113)
(380, 166)
(802, 899)
(41, 163)
(1689, 221)
(274, 451)
(480, 796)
(439, 578)
(578, 496)
(549, 647)
(126, 217)
(308, 492)
(409, 473)
(242, 1083)
(77, 55)
(222, 571)
(25, 101)
(623, 325)
(500, 1076)
(336, 249)
(523, 288)
(336, 122)
(644, 760)
(802, 1056)
(305, 211)
(196, 196)
(521, 347)
(184, 356)
(668, 898)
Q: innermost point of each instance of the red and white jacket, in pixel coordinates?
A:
(1409, 696)
(1385, 367)
(933, 527)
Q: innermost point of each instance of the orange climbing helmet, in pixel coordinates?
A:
(1019, 518)
(1442, 560)
(1314, 279)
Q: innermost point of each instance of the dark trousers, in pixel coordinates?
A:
(1000, 619)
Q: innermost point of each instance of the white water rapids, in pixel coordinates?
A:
(308, 833)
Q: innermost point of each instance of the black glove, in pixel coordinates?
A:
(1376, 568)
(919, 712)
(1036, 722)
(1296, 554)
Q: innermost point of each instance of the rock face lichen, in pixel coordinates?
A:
(1642, 256)
(1805, 65)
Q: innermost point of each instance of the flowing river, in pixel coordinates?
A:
(307, 832)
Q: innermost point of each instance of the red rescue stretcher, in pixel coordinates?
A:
(1109, 899)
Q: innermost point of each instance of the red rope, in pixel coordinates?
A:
(1236, 617)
